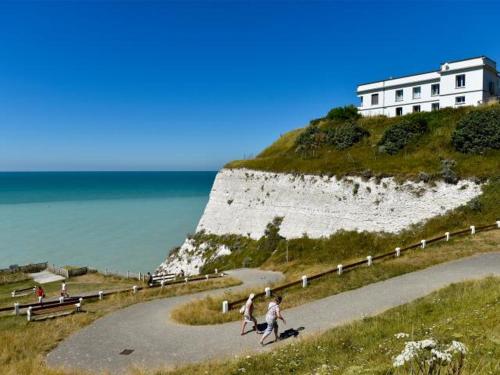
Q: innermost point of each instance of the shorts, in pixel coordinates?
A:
(271, 326)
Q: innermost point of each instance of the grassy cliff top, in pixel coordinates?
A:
(424, 153)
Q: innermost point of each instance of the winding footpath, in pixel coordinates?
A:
(156, 340)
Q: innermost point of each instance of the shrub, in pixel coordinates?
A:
(346, 135)
(398, 136)
(447, 172)
(346, 113)
(269, 242)
(478, 131)
(309, 140)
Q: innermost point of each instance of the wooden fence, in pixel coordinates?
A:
(27, 268)
(67, 272)
(226, 305)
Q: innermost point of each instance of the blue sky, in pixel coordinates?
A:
(191, 85)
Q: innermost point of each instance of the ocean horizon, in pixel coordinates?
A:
(122, 221)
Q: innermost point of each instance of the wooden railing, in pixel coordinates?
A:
(226, 305)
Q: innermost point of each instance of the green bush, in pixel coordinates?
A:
(478, 131)
(346, 113)
(346, 135)
(309, 140)
(398, 136)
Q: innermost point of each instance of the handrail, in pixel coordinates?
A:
(351, 266)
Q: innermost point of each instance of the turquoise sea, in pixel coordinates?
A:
(124, 221)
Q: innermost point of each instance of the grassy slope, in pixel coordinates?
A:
(468, 312)
(423, 155)
(28, 343)
(207, 311)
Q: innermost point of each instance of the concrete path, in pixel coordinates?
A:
(45, 277)
(157, 341)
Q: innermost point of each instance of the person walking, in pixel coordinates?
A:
(64, 290)
(40, 293)
(272, 316)
(247, 311)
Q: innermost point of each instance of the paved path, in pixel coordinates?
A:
(158, 341)
(45, 277)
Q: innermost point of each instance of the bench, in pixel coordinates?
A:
(22, 292)
(158, 279)
(53, 310)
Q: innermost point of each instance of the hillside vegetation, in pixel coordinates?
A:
(416, 146)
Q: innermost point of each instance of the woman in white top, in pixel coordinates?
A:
(248, 315)
(272, 316)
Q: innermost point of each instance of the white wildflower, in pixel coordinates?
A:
(443, 357)
(457, 347)
(401, 335)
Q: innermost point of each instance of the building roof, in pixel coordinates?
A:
(427, 72)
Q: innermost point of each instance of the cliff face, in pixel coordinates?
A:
(244, 201)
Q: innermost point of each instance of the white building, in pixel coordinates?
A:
(463, 82)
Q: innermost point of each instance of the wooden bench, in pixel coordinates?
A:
(157, 279)
(53, 310)
(22, 292)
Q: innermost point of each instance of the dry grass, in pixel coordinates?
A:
(208, 310)
(468, 312)
(24, 344)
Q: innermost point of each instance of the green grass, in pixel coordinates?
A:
(468, 312)
(28, 343)
(423, 155)
(208, 310)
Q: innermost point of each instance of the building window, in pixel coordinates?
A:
(416, 108)
(416, 92)
(399, 95)
(374, 99)
(435, 106)
(399, 111)
(491, 87)
(460, 81)
(360, 101)
(459, 100)
(435, 89)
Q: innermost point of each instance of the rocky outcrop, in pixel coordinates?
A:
(244, 201)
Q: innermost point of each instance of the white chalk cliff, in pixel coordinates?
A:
(244, 201)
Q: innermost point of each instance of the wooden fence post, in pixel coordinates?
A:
(369, 260)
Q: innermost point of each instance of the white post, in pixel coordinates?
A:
(134, 289)
(61, 299)
(398, 251)
(304, 281)
(186, 280)
(369, 260)
(339, 269)
(216, 271)
(472, 229)
(206, 277)
(40, 299)
(162, 283)
(13, 293)
(16, 308)
(101, 295)
(80, 300)
(423, 242)
(222, 274)
(28, 314)
(498, 223)
(268, 292)
(447, 234)
(225, 307)
(140, 276)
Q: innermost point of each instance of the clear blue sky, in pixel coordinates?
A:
(192, 85)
